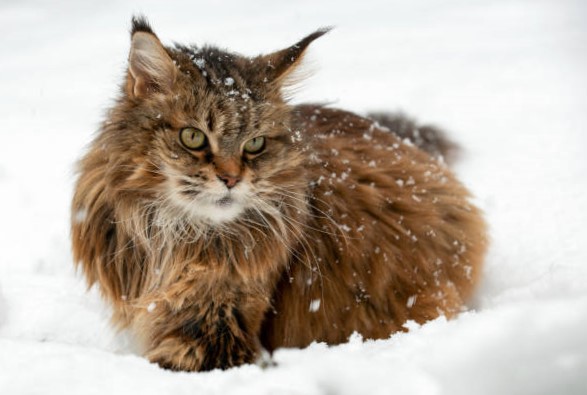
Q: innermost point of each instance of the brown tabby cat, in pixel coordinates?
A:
(218, 220)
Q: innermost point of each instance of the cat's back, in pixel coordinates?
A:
(392, 235)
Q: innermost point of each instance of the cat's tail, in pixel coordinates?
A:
(426, 137)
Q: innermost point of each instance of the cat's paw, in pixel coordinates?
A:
(264, 360)
(175, 354)
(222, 350)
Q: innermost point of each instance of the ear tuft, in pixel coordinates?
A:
(140, 24)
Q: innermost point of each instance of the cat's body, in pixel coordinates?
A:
(217, 219)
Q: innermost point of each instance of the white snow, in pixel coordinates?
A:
(411, 301)
(505, 78)
(201, 63)
(314, 305)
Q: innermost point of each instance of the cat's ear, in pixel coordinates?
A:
(277, 66)
(150, 68)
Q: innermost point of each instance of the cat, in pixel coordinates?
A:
(219, 221)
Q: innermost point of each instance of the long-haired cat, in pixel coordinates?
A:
(219, 220)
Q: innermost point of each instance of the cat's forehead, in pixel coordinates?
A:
(225, 73)
(228, 98)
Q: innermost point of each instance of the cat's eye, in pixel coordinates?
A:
(255, 145)
(192, 138)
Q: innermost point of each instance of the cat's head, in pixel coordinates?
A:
(205, 131)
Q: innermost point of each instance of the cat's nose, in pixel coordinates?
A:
(228, 180)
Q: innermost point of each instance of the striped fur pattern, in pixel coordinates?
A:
(337, 225)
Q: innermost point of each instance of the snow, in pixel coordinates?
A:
(505, 78)
(314, 305)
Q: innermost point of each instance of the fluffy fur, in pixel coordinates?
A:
(338, 225)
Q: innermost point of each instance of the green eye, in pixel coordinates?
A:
(255, 145)
(192, 138)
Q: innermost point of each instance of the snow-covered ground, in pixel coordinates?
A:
(506, 78)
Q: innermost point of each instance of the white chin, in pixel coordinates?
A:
(216, 205)
(212, 210)
(218, 213)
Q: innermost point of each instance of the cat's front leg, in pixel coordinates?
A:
(205, 336)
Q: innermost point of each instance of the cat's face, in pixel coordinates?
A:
(215, 134)
(222, 155)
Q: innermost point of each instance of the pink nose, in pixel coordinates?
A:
(229, 181)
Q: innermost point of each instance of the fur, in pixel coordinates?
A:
(338, 226)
